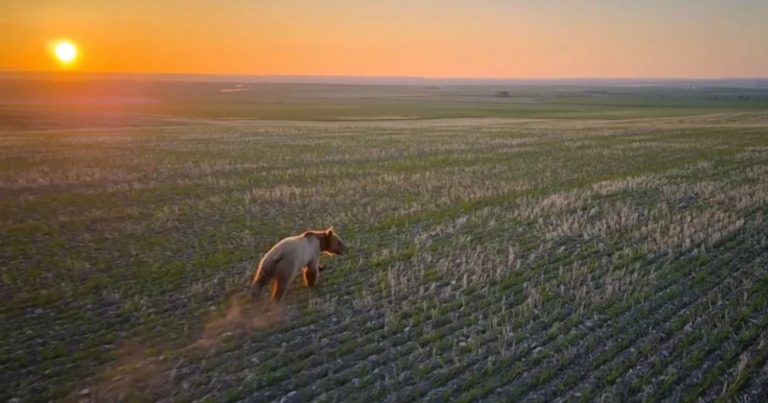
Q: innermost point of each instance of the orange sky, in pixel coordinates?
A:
(431, 38)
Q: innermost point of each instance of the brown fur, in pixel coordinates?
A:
(295, 254)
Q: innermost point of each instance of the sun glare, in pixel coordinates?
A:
(65, 52)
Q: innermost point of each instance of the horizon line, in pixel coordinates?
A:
(389, 77)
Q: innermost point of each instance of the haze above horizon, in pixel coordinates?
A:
(428, 38)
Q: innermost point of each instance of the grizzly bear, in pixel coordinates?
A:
(281, 264)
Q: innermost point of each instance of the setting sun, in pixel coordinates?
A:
(65, 52)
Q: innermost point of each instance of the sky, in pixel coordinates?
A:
(425, 38)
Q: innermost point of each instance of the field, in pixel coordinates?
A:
(568, 243)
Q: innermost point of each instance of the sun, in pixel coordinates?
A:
(65, 52)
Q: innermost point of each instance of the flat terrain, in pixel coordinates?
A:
(73, 102)
(617, 249)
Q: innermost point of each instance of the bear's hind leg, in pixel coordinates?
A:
(258, 283)
(279, 287)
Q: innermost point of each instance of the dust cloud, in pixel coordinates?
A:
(141, 373)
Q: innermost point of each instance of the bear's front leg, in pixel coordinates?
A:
(311, 274)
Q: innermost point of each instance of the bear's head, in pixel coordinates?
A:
(333, 244)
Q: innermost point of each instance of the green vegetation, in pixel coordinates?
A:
(612, 251)
(109, 102)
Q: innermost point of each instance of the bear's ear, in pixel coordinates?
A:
(307, 233)
(329, 231)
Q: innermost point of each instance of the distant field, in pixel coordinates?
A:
(71, 103)
(558, 243)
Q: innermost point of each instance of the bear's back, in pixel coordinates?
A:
(296, 249)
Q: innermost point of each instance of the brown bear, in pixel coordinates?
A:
(282, 263)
